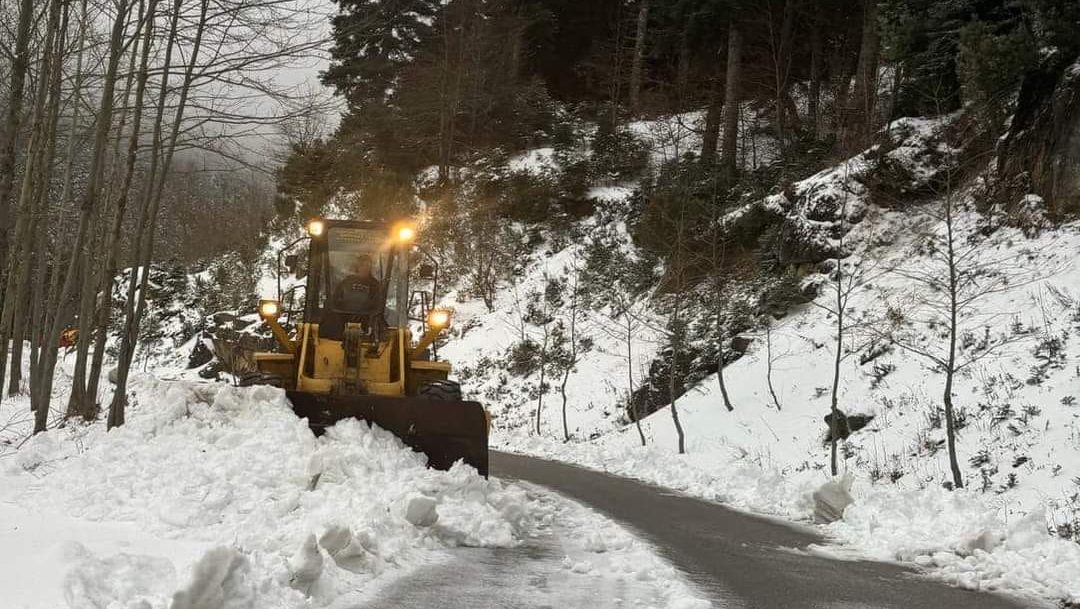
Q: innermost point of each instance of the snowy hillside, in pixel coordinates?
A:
(1016, 524)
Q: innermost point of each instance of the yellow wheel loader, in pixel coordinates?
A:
(352, 354)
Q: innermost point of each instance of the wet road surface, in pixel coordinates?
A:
(740, 560)
(735, 560)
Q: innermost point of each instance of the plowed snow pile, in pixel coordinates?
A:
(213, 496)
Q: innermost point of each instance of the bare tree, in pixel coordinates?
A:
(813, 102)
(713, 116)
(56, 317)
(956, 268)
(769, 365)
(136, 302)
(624, 324)
(10, 134)
(83, 399)
(575, 343)
(33, 192)
(726, 310)
(848, 280)
(541, 313)
(780, 45)
(676, 327)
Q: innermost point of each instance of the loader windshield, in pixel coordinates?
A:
(359, 276)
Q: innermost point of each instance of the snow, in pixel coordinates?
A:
(479, 335)
(225, 486)
(537, 161)
(600, 551)
(1019, 450)
(217, 496)
(670, 137)
(212, 496)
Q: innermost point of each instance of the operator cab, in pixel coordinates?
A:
(358, 274)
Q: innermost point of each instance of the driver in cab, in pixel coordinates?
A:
(358, 291)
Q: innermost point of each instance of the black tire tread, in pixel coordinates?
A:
(447, 391)
(252, 379)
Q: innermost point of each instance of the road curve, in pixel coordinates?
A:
(741, 560)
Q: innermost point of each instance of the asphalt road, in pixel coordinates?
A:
(740, 560)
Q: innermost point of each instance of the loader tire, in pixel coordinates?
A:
(447, 391)
(252, 379)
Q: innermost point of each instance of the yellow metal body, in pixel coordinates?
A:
(318, 365)
(364, 363)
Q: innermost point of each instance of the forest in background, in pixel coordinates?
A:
(126, 140)
(107, 108)
(443, 99)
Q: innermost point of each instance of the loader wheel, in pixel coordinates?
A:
(252, 379)
(447, 391)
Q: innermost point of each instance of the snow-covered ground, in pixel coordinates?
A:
(1015, 526)
(212, 496)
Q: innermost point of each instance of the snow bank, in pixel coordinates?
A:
(958, 536)
(220, 496)
(962, 539)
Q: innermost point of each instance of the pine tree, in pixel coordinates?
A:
(373, 41)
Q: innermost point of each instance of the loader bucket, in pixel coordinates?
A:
(444, 431)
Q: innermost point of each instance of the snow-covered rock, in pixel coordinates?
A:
(832, 498)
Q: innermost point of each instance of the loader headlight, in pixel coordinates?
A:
(405, 233)
(269, 309)
(439, 318)
(316, 227)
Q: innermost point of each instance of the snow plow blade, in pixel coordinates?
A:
(445, 431)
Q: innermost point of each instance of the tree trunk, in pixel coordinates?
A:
(543, 369)
(711, 135)
(678, 334)
(861, 122)
(10, 134)
(87, 292)
(572, 362)
(630, 376)
(781, 69)
(637, 65)
(729, 156)
(56, 42)
(682, 77)
(107, 280)
(814, 102)
(721, 354)
(834, 422)
(33, 193)
(84, 404)
(950, 368)
(42, 388)
(768, 368)
(675, 353)
(23, 311)
(146, 250)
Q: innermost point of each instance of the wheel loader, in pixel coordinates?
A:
(352, 352)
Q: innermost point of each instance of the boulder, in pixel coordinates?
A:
(846, 424)
(1041, 152)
